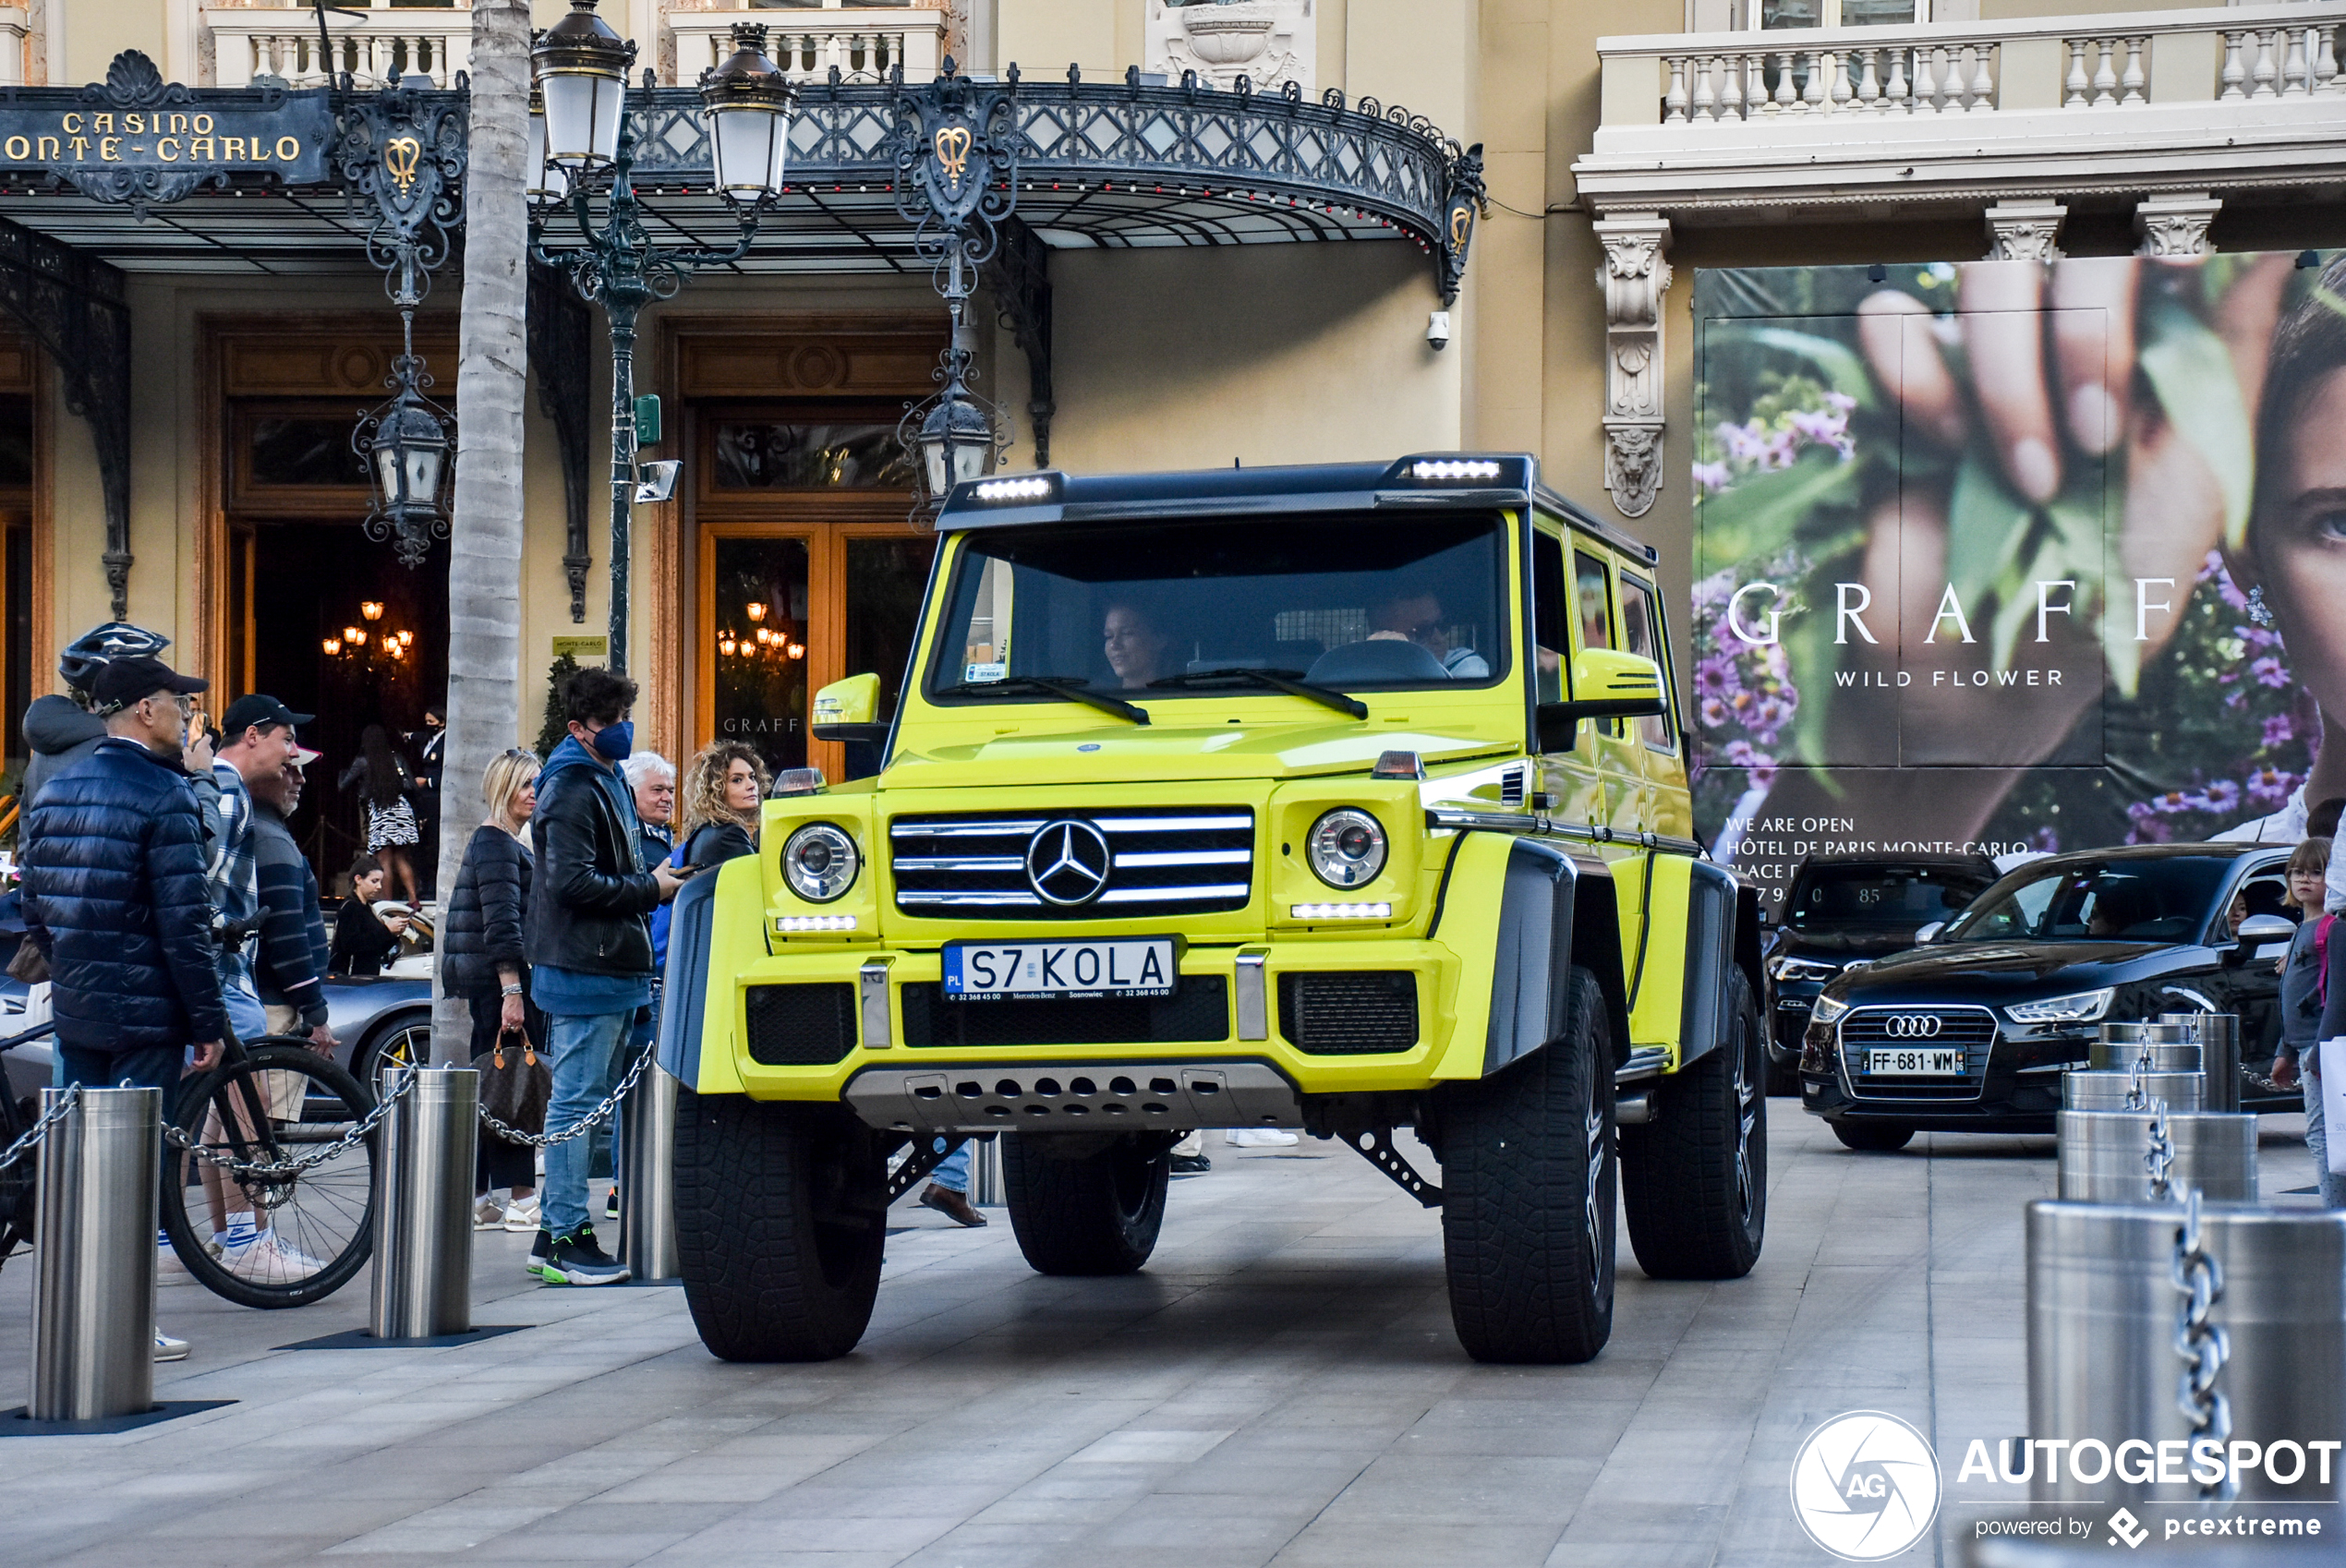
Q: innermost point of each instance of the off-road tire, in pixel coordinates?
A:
(1694, 1181)
(1872, 1137)
(1098, 1214)
(781, 1219)
(1528, 1181)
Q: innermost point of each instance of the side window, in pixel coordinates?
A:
(1593, 597)
(1551, 618)
(1642, 634)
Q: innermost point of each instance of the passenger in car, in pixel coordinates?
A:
(1136, 650)
(1418, 618)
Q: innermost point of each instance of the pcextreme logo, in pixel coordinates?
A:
(1865, 1485)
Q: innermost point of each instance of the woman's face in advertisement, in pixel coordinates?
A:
(2302, 544)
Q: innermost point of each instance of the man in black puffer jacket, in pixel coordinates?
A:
(114, 892)
(589, 949)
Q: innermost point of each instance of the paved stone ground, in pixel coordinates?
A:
(1281, 1386)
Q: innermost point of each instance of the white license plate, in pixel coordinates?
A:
(1910, 1062)
(984, 972)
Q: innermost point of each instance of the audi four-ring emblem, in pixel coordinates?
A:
(1911, 1026)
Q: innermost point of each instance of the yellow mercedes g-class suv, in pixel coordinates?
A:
(1343, 798)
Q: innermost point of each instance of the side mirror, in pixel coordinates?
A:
(1923, 936)
(848, 710)
(1606, 683)
(2259, 929)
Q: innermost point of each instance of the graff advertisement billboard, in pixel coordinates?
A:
(2017, 556)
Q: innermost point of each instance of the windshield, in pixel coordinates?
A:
(1347, 602)
(2161, 899)
(1841, 895)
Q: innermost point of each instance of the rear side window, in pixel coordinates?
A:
(1642, 634)
(1551, 618)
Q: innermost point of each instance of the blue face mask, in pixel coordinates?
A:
(613, 742)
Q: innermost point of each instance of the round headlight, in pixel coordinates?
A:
(819, 862)
(1345, 848)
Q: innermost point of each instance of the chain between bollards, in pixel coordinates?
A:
(578, 1129)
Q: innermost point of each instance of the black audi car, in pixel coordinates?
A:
(1844, 911)
(1971, 1031)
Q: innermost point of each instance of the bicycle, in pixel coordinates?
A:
(274, 1129)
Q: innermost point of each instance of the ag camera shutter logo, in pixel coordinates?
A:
(1865, 1485)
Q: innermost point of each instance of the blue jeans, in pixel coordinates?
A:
(2332, 1183)
(157, 1067)
(580, 1049)
(952, 1172)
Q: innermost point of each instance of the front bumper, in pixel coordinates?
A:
(2013, 1083)
(1247, 1033)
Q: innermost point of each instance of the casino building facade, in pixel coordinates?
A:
(1223, 241)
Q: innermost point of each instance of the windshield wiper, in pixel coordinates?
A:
(1068, 686)
(1287, 681)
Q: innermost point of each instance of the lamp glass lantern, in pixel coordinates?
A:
(548, 182)
(749, 101)
(581, 68)
(408, 453)
(956, 442)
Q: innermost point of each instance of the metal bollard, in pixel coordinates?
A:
(2219, 1037)
(2108, 1091)
(423, 1208)
(985, 1173)
(2171, 1047)
(2103, 1156)
(2103, 1367)
(647, 1162)
(93, 1301)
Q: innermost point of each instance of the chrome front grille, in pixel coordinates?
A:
(1174, 861)
(1973, 1030)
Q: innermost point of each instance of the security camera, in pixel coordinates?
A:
(1437, 331)
(657, 481)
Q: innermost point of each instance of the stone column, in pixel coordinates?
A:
(2025, 231)
(1633, 278)
(2175, 225)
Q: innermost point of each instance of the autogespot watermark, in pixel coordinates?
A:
(1867, 1485)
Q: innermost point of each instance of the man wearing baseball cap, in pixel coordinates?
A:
(115, 891)
(256, 742)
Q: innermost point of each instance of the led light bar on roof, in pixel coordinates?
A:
(1455, 468)
(1014, 489)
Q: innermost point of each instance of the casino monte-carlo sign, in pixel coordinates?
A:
(135, 137)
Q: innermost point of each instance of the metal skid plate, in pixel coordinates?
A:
(1074, 1097)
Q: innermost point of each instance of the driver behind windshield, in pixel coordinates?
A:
(1417, 618)
(2119, 907)
(1136, 649)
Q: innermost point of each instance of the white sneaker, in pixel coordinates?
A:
(523, 1215)
(168, 1348)
(264, 1262)
(1262, 1138)
(488, 1214)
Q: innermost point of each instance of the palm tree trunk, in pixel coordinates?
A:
(484, 566)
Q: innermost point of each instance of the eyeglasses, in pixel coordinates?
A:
(187, 705)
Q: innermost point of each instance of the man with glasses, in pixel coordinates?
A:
(115, 895)
(1417, 618)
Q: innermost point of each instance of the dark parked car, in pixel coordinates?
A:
(1971, 1033)
(1844, 911)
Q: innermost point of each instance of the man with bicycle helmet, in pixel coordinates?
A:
(60, 732)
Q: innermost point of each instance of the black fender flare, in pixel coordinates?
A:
(1723, 932)
(684, 990)
(1555, 912)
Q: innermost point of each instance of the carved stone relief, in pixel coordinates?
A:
(1268, 41)
(2175, 225)
(2025, 231)
(1633, 278)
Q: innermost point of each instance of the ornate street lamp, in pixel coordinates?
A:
(581, 68)
(405, 444)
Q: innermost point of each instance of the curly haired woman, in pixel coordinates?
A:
(721, 789)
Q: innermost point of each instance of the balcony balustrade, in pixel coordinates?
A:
(862, 42)
(2207, 97)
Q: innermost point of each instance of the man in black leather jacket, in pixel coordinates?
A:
(589, 949)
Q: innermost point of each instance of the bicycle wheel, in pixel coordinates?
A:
(274, 1100)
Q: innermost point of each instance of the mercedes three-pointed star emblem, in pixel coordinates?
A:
(1067, 863)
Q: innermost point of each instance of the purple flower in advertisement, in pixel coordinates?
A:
(2171, 802)
(1840, 401)
(2269, 787)
(2279, 730)
(1772, 714)
(1714, 713)
(2223, 795)
(1715, 676)
(2270, 671)
(1712, 477)
(2209, 566)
